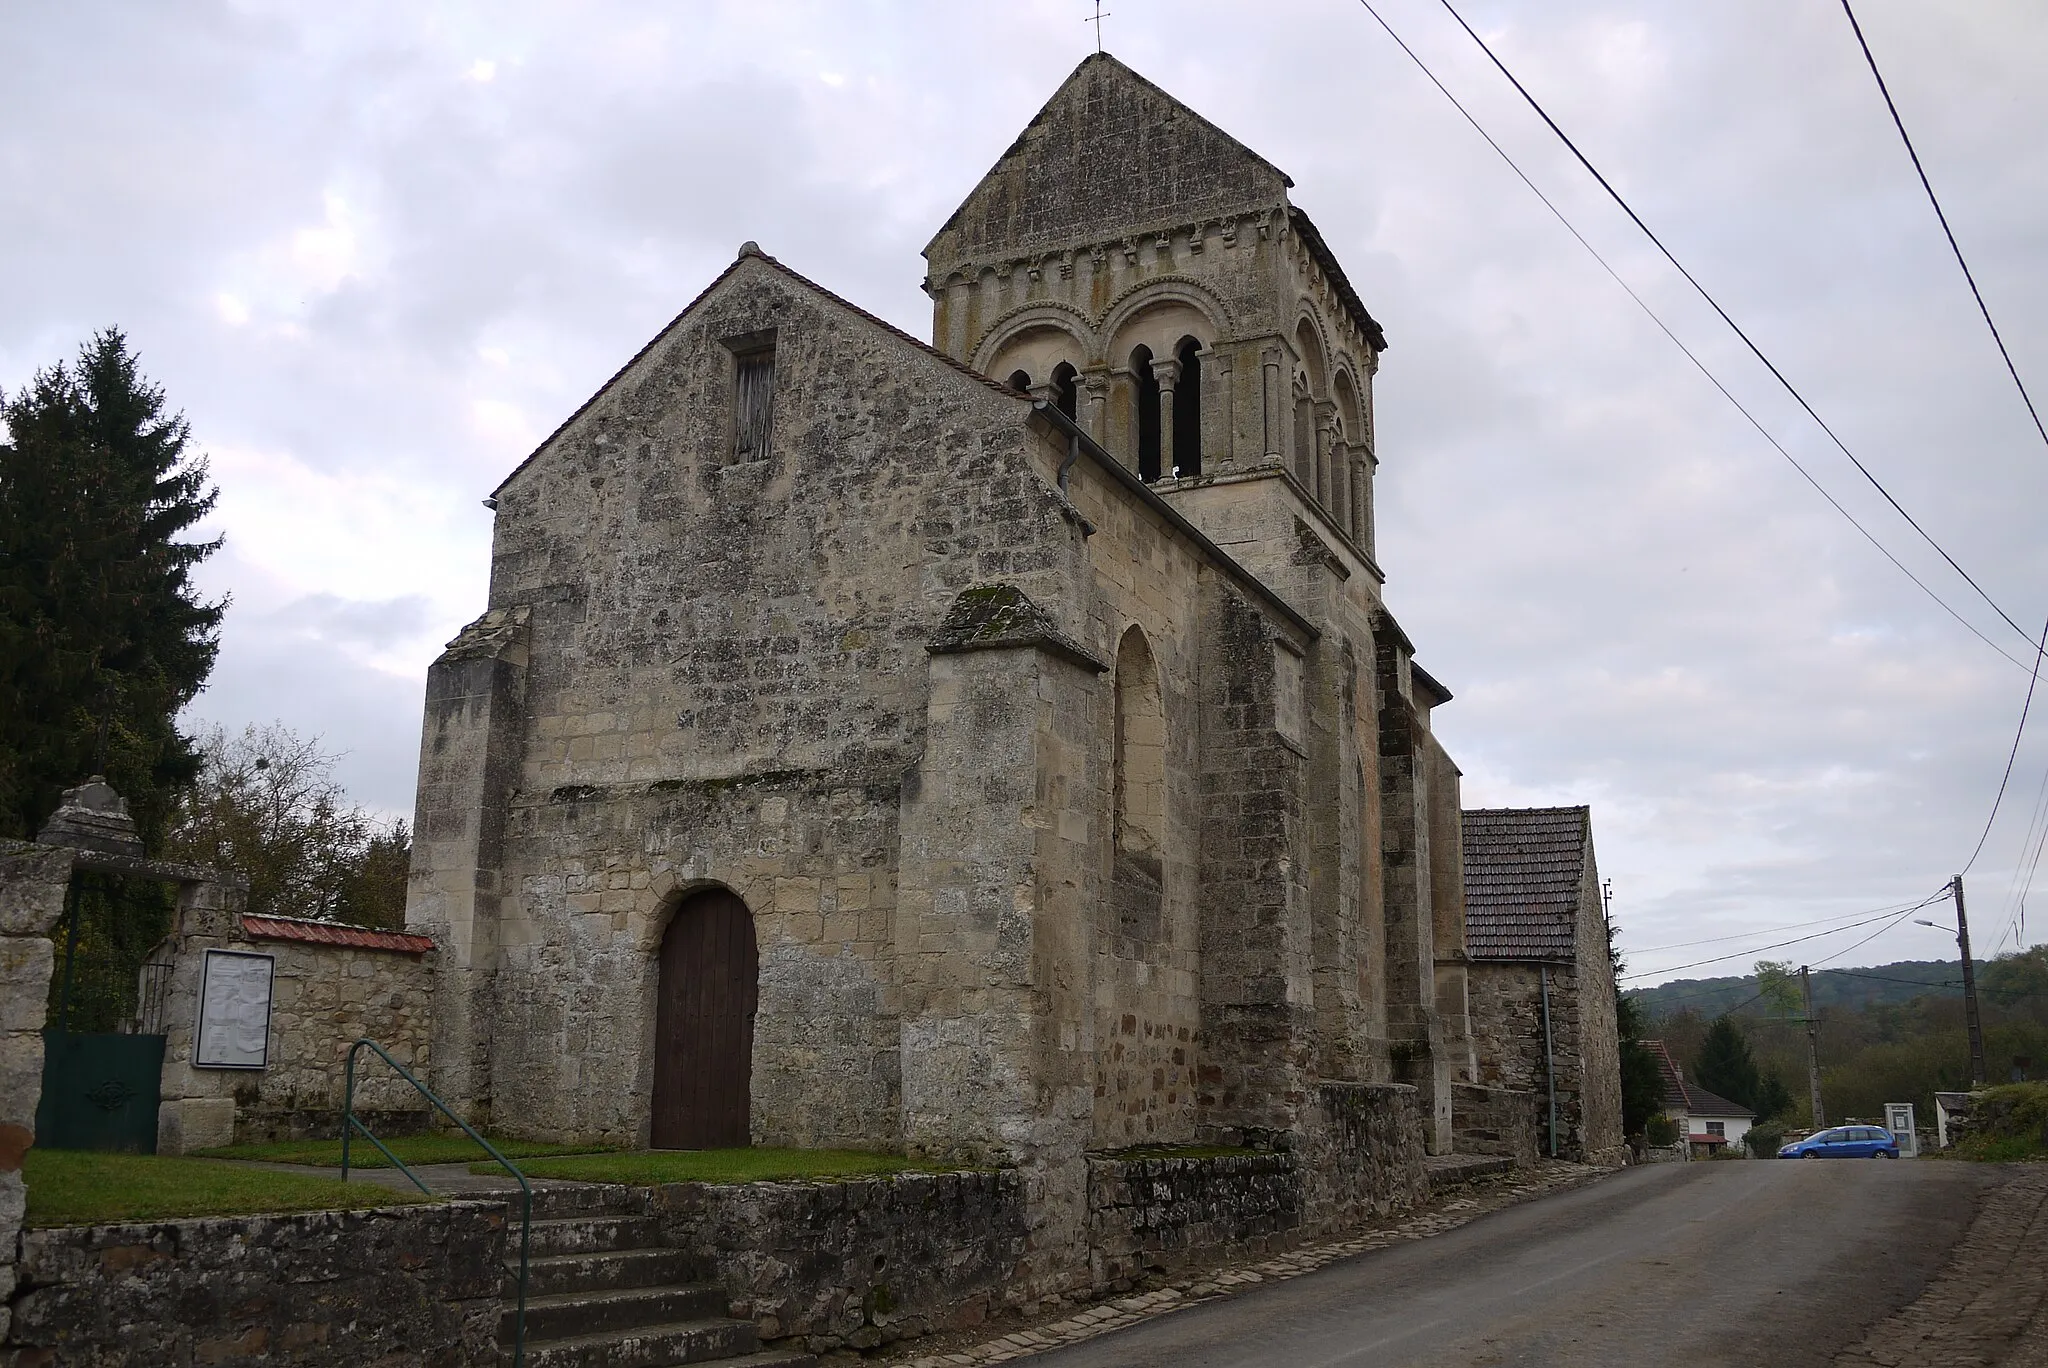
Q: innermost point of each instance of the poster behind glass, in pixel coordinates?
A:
(234, 1011)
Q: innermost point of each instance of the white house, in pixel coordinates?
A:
(1705, 1121)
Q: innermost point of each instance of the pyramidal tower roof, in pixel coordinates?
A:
(1110, 153)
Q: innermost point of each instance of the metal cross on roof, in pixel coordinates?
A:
(1096, 19)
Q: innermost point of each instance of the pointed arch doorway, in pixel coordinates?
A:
(704, 1024)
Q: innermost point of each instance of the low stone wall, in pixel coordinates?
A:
(855, 1264)
(324, 998)
(1361, 1150)
(1150, 1214)
(1358, 1156)
(331, 1289)
(1501, 1121)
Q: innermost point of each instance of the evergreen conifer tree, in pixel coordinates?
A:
(1642, 1082)
(1728, 1067)
(103, 636)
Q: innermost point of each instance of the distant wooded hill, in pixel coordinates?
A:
(1883, 986)
(1888, 1033)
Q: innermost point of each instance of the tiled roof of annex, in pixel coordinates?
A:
(334, 933)
(1524, 873)
(1690, 1098)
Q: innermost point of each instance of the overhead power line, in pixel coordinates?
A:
(1867, 912)
(1688, 352)
(1948, 232)
(1848, 949)
(1735, 327)
(1890, 918)
(2013, 754)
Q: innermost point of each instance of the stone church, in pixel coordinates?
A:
(999, 749)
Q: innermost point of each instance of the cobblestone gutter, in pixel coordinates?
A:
(1990, 1305)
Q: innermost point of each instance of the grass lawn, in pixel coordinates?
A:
(724, 1166)
(413, 1149)
(78, 1187)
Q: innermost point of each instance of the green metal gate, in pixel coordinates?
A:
(100, 1092)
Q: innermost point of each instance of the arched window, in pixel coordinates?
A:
(1187, 411)
(1145, 390)
(1140, 751)
(1066, 389)
(1020, 380)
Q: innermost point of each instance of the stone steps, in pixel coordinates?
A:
(603, 1271)
(602, 1292)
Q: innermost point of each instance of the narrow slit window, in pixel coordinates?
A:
(753, 404)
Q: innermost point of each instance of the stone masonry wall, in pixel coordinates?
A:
(323, 999)
(1507, 1021)
(859, 1264)
(1357, 1156)
(33, 879)
(1361, 1147)
(1504, 1121)
(1147, 1214)
(724, 684)
(335, 1289)
(1598, 1139)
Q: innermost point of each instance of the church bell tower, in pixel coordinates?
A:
(1138, 267)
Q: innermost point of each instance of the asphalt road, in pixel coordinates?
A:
(1780, 1262)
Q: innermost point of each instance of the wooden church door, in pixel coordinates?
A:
(704, 1025)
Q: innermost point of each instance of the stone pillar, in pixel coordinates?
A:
(1257, 980)
(1340, 476)
(1271, 400)
(197, 1110)
(998, 889)
(1326, 436)
(470, 753)
(1167, 373)
(1222, 417)
(32, 883)
(1094, 385)
(1414, 1029)
(1361, 497)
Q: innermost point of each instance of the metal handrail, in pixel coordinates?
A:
(351, 1123)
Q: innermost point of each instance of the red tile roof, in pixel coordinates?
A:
(334, 933)
(1690, 1098)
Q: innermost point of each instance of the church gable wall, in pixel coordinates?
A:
(1110, 152)
(726, 686)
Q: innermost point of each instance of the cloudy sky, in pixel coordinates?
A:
(376, 251)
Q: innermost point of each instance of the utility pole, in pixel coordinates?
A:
(1978, 1077)
(1820, 1118)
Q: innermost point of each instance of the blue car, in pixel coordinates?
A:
(1844, 1142)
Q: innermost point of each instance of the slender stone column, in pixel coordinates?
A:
(1167, 373)
(1326, 433)
(1094, 383)
(1224, 407)
(1271, 398)
(1340, 477)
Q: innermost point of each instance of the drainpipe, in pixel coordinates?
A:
(1073, 455)
(1549, 1059)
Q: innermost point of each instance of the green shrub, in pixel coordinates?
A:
(1661, 1130)
(2007, 1123)
(1763, 1141)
